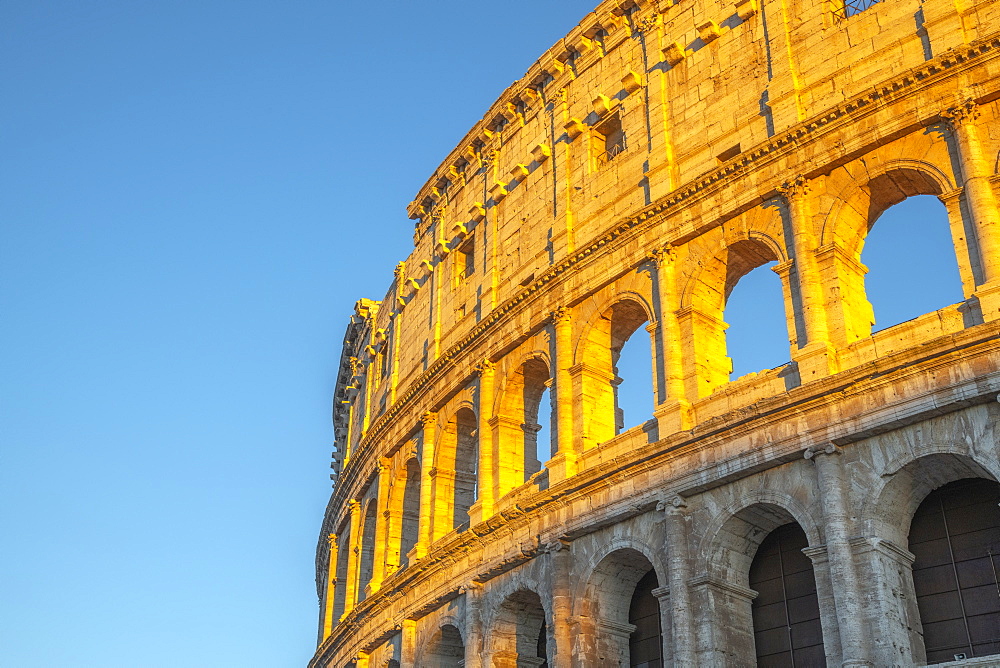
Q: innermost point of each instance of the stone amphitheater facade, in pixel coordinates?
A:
(796, 516)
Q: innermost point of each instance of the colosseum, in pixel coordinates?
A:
(491, 507)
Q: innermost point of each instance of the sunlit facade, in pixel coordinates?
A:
(494, 503)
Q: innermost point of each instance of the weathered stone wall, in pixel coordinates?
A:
(641, 167)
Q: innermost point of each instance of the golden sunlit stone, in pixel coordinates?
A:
(641, 167)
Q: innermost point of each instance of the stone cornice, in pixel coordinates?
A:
(766, 154)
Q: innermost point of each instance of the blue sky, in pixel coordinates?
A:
(192, 197)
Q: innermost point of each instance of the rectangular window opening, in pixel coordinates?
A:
(465, 260)
(609, 139)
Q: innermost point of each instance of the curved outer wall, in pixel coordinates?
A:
(644, 163)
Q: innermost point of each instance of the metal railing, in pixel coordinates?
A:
(607, 156)
(848, 8)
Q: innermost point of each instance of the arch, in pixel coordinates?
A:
(340, 587)
(910, 478)
(625, 544)
(955, 539)
(728, 549)
(785, 611)
(366, 563)
(857, 207)
(705, 296)
(741, 525)
(465, 466)
(859, 203)
(597, 356)
(520, 634)
(518, 421)
(455, 472)
(645, 646)
(757, 323)
(404, 512)
(609, 603)
(444, 649)
(910, 274)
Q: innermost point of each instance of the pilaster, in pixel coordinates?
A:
(353, 557)
(473, 625)
(673, 410)
(331, 588)
(381, 526)
(679, 575)
(981, 198)
(483, 508)
(847, 595)
(559, 560)
(429, 422)
(564, 464)
(812, 351)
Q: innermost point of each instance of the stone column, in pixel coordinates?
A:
(812, 353)
(850, 314)
(508, 459)
(722, 611)
(707, 366)
(408, 643)
(381, 526)
(564, 463)
(673, 411)
(678, 576)
(361, 661)
(583, 630)
(485, 504)
(562, 603)
(662, 595)
(429, 421)
(353, 556)
(886, 575)
(981, 198)
(473, 625)
(847, 594)
(331, 588)
(827, 605)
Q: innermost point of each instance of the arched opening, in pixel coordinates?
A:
(786, 621)
(523, 425)
(520, 632)
(367, 561)
(910, 256)
(618, 391)
(731, 555)
(445, 649)
(621, 604)
(645, 645)
(466, 466)
(340, 588)
(736, 290)
(632, 377)
(633, 383)
(535, 373)
(955, 537)
(410, 516)
(544, 447)
(756, 337)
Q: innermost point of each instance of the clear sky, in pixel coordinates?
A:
(192, 196)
